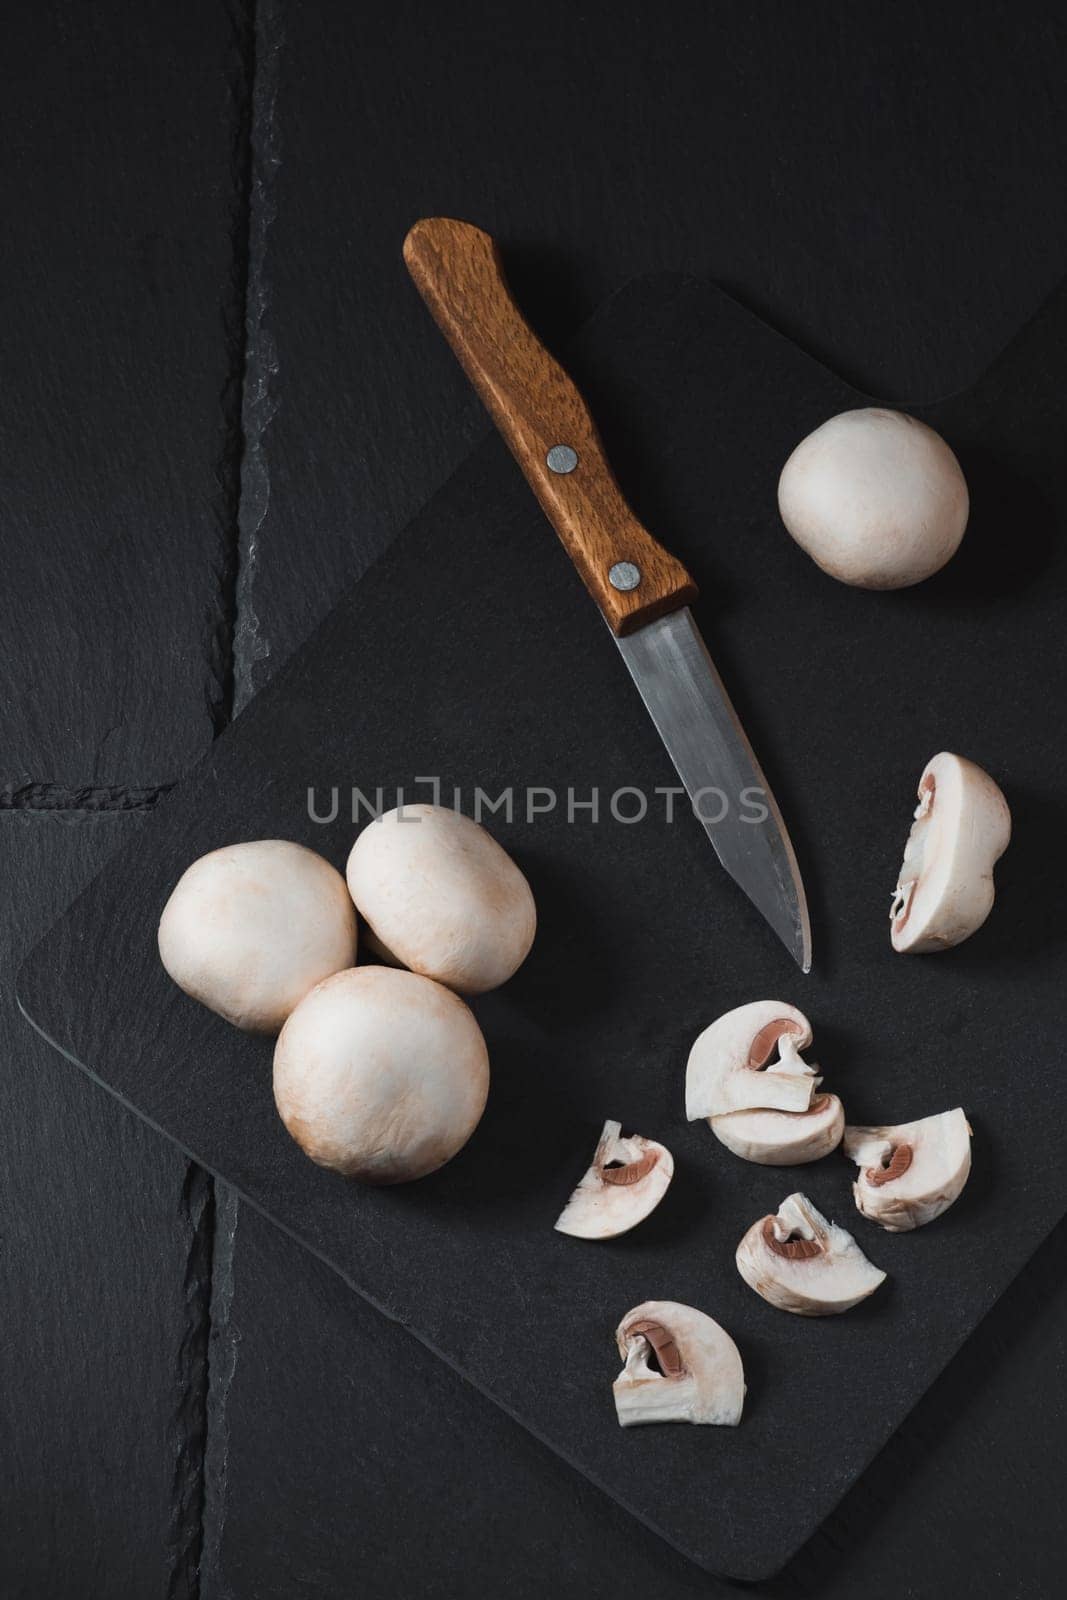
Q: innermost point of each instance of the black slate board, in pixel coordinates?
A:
(472, 652)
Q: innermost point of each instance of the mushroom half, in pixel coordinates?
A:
(961, 829)
(749, 1060)
(699, 1379)
(800, 1262)
(911, 1173)
(625, 1182)
(783, 1138)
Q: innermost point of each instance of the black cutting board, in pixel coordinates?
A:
(471, 653)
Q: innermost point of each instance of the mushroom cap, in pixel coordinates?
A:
(961, 829)
(250, 928)
(442, 897)
(381, 1075)
(783, 1138)
(910, 1173)
(799, 1262)
(730, 1066)
(626, 1181)
(876, 499)
(700, 1380)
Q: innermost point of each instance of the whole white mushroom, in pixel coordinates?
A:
(442, 898)
(250, 928)
(381, 1075)
(876, 499)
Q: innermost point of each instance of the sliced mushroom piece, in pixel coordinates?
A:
(624, 1184)
(783, 1138)
(911, 1173)
(749, 1060)
(961, 829)
(700, 1377)
(800, 1262)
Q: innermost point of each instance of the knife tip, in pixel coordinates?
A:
(800, 944)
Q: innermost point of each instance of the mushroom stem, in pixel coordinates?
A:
(639, 1397)
(790, 1058)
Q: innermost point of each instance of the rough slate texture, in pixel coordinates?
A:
(122, 279)
(599, 1020)
(827, 165)
(123, 305)
(101, 1271)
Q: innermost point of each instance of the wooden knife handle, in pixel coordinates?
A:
(458, 271)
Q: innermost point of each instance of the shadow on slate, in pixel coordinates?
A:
(472, 652)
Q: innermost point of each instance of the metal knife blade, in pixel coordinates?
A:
(686, 700)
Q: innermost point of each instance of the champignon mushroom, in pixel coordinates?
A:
(624, 1184)
(442, 897)
(800, 1262)
(783, 1138)
(250, 928)
(700, 1377)
(381, 1075)
(945, 888)
(911, 1173)
(730, 1066)
(876, 499)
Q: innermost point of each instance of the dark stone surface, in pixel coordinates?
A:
(122, 287)
(885, 187)
(600, 1019)
(874, 182)
(102, 1274)
(122, 280)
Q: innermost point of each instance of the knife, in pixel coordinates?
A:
(643, 593)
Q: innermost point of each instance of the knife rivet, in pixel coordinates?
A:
(561, 458)
(624, 575)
